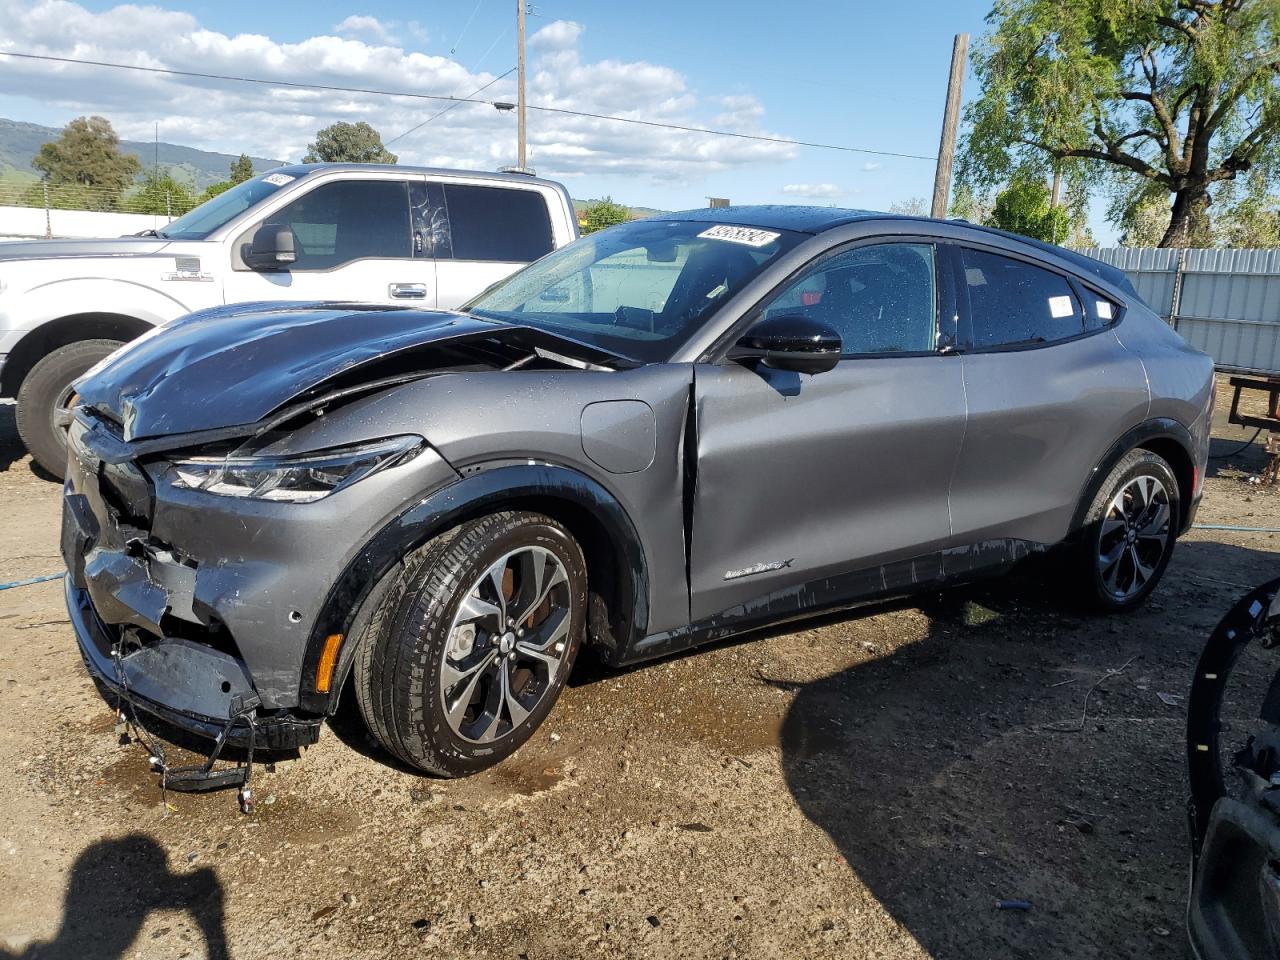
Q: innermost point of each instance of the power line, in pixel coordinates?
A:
(441, 113)
(294, 84)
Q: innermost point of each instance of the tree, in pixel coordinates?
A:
(1183, 94)
(914, 207)
(241, 169)
(1025, 207)
(603, 213)
(86, 160)
(1250, 215)
(159, 194)
(968, 204)
(344, 142)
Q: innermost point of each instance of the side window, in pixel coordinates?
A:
(1099, 311)
(1012, 303)
(881, 299)
(497, 224)
(348, 220)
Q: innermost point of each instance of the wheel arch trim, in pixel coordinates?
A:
(483, 488)
(1157, 429)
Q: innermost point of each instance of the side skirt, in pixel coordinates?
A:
(839, 592)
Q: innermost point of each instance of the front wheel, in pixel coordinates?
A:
(471, 644)
(1129, 533)
(45, 399)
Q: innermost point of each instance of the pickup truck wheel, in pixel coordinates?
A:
(471, 644)
(45, 399)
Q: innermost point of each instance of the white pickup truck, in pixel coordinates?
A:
(351, 232)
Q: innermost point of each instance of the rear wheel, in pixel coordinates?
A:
(45, 400)
(1129, 533)
(471, 645)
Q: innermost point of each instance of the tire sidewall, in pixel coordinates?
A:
(463, 756)
(39, 392)
(1135, 464)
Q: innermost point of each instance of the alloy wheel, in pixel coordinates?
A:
(507, 644)
(1133, 536)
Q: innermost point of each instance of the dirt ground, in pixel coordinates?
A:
(866, 786)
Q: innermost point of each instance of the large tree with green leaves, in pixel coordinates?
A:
(1025, 207)
(1181, 94)
(241, 169)
(344, 142)
(87, 160)
(600, 214)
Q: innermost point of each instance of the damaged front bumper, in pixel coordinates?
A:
(198, 608)
(191, 687)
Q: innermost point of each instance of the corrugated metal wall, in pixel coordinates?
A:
(1224, 302)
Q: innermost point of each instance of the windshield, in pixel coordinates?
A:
(638, 289)
(223, 208)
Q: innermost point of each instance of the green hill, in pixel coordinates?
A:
(20, 142)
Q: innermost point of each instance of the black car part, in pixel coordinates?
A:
(1234, 772)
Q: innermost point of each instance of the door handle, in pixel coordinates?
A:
(407, 291)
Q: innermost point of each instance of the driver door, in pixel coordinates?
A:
(813, 489)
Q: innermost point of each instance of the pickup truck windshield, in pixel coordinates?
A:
(213, 213)
(638, 289)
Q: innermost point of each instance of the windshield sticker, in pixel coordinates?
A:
(1104, 309)
(748, 236)
(278, 179)
(1060, 307)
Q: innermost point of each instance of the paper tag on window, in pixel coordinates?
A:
(277, 179)
(1060, 307)
(748, 236)
(1104, 309)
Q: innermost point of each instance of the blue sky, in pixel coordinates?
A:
(854, 73)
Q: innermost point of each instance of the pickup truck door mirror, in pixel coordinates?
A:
(791, 342)
(271, 248)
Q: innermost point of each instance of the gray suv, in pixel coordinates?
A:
(663, 434)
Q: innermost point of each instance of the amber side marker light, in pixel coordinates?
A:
(328, 660)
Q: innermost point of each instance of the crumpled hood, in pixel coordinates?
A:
(232, 366)
(51, 249)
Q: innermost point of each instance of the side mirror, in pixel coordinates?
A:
(792, 342)
(270, 249)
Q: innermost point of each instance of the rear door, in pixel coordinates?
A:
(354, 240)
(492, 231)
(836, 481)
(1048, 392)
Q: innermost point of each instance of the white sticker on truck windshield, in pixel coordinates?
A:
(748, 236)
(1060, 307)
(277, 179)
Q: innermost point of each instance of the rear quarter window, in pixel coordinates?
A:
(1099, 312)
(1014, 303)
(497, 224)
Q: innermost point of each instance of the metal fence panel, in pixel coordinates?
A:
(1224, 302)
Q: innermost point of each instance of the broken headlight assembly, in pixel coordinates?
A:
(293, 478)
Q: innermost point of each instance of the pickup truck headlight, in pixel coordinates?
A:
(299, 478)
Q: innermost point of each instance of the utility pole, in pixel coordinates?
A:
(520, 162)
(950, 120)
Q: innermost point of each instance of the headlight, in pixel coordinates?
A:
(301, 478)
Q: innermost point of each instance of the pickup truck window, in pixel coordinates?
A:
(213, 213)
(348, 220)
(498, 224)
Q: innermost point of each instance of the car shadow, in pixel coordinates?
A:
(114, 886)
(965, 769)
(12, 450)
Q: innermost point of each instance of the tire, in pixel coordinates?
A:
(1134, 519)
(413, 661)
(46, 390)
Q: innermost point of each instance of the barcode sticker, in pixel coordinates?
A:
(1060, 307)
(277, 179)
(749, 236)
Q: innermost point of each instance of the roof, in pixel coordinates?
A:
(302, 169)
(820, 219)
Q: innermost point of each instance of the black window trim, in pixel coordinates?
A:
(945, 302)
(242, 239)
(964, 342)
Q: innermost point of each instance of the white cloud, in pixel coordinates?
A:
(370, 26)
(871, 165)
(280, 122)
(813, 191)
